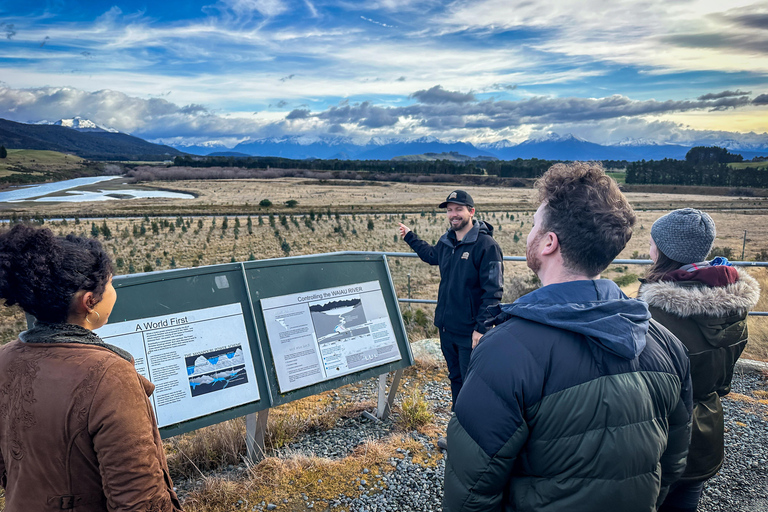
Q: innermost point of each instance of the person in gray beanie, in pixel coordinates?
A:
(705, 304)
(684, 235)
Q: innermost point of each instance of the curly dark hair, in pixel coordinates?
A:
(590, 216)
(41, 272)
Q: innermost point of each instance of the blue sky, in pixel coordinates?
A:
(483, 70)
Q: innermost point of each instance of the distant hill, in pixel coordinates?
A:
(451, 156)
(93, 145)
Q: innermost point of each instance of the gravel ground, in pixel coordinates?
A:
(741, 485)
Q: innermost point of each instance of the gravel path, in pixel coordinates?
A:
(741, 485)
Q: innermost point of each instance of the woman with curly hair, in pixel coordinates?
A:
(77, 430)
(705, 304)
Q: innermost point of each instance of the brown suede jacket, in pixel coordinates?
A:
(77, 431)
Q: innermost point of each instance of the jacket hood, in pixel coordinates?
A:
(598, 309)
(691, 298)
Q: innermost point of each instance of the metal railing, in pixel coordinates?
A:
(522, 258)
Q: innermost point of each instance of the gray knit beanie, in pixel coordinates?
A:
(684, 235)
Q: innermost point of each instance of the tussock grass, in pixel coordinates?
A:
(218, 494)
(12, 322)
(414, 411)
(288, 476)
(190, 455)
(314, 413)
(757, 347)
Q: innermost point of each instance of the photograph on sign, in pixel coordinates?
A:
(322, 334)
(199, 361)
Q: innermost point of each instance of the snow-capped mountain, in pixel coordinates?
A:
(551, 146)
(82, 125)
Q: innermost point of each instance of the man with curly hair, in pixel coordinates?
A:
(576, 400)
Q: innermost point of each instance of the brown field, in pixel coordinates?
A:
(367, 219)
(378, 206)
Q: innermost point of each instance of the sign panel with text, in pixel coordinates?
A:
(321, 334)
(199, 361)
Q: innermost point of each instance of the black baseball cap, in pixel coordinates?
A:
(458, 197)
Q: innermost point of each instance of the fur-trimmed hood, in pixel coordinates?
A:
(688, 298)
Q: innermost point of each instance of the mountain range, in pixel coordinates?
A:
(82, 139)
(87, 139)
(552, 147)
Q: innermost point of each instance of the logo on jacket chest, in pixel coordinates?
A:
(465, 256)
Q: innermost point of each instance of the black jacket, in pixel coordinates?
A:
(574, 402)
(471, 277)
(711, 321)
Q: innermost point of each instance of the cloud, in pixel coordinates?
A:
(267, 8)
(439, 95)
(285, 78)
(281, 103)
(377, 22)
(299, 113)
(596, 119)
(9, 29)
(754, 20)
(724, 94)
(401, 79)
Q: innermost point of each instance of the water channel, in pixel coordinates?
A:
(52, 192)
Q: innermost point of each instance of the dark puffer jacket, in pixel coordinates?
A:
(574, 402)
(711, 321)
(471, 277)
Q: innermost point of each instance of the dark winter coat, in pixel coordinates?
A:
(77, 431)
(575, 402)
(471, 277)
(711, 321)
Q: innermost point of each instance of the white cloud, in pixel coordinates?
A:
(685, 35)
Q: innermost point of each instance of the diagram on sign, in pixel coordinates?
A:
(338, 319)
(216, 370)
(199, 360)
(322, 334)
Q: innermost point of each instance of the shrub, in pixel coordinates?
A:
(414, 411)
(625, 280)
(291, 203)
(725, 252)
(266, 203)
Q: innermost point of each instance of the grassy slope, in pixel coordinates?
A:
(34, 166)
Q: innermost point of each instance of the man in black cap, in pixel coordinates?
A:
(471, 278)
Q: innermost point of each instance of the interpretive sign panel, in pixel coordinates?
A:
(199, 361)
(224, 341)
(321, 334)
(325, 320)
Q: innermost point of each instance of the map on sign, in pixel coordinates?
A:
(323, 334)
(199, 361)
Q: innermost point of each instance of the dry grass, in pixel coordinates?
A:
(757, 347)
(211, 448)
(285, 478)
(191, 455)
(414, 411)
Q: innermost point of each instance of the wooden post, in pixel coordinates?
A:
(255, 427)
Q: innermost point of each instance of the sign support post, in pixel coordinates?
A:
(255, 428)
(385, 402)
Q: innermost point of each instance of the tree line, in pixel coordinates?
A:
(703, 165)
(519, 168)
